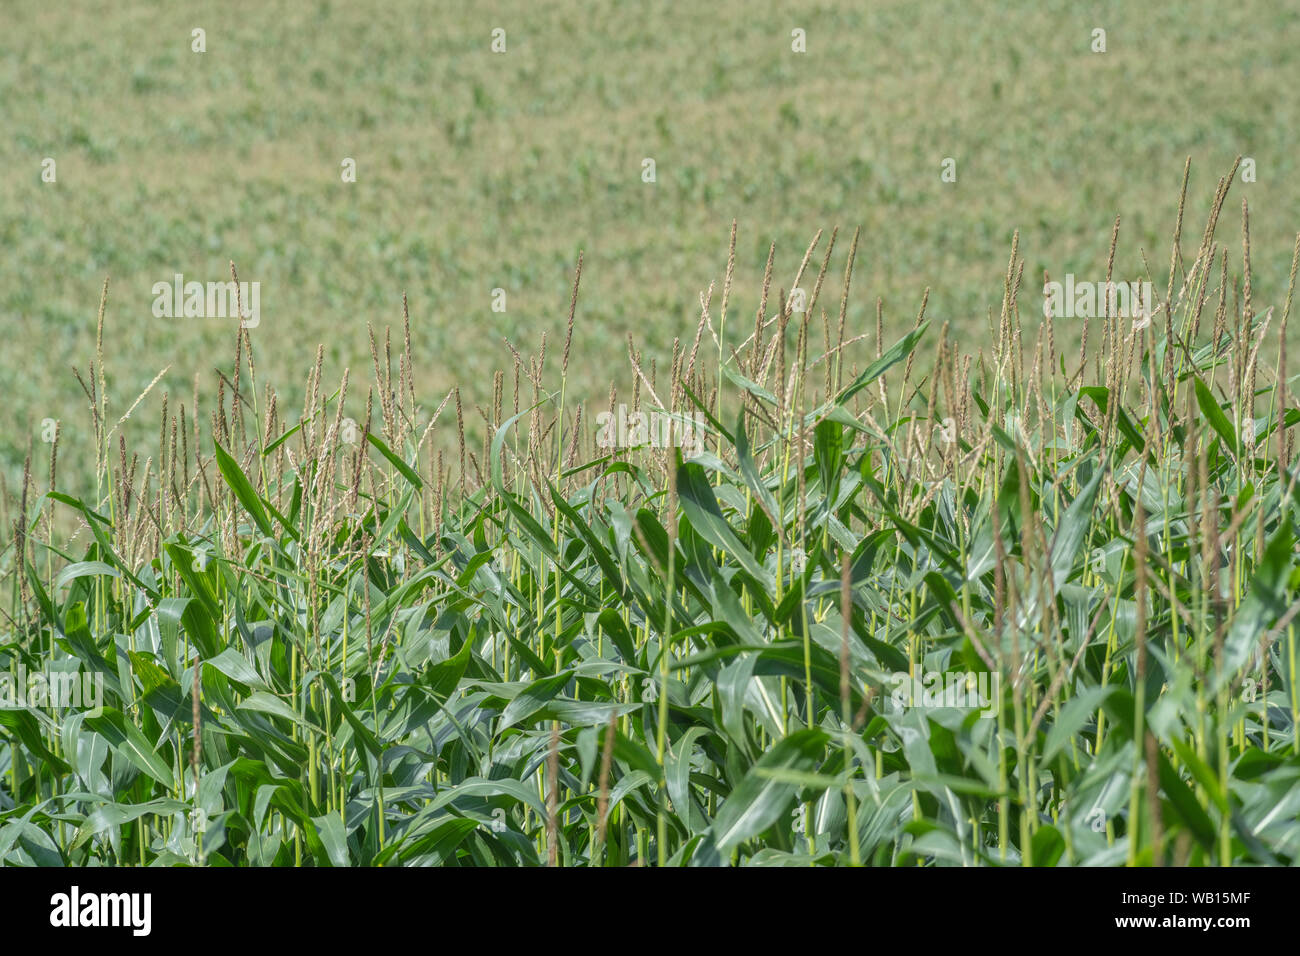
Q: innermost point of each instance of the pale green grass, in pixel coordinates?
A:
(479, 171)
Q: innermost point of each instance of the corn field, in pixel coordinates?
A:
(857, 603)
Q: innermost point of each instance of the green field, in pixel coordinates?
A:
(478, 171)
(665, 563)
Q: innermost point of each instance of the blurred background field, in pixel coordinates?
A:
(478, 171)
